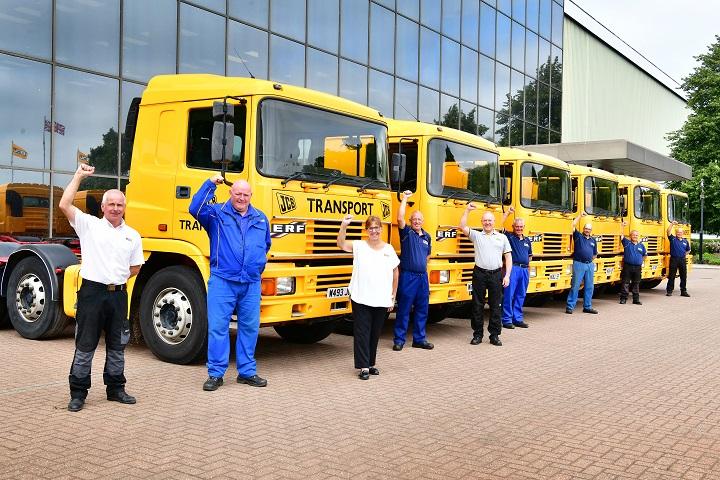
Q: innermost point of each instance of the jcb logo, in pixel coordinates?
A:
(286, 203)
(385, 209)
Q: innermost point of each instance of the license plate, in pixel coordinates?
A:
(338, 292)
(469, 287)
(554, 276)
(609, 270)
(653, 267)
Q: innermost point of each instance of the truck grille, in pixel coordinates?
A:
(553, 244)
(607, 243)
(553, 269)
(466, 275)
(334, 280)
(321, 236)
(651, 244)
(464, 246)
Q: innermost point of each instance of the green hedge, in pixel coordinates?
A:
(709, 246)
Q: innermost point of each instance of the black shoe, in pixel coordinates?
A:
(521, 325)
(636, 301)
(509, 326)
(424, 345)
(76, 404)
(397, 347)
(254, 381)
(568, 311)
(589, 310)
(494, 340)
(668, 294)
(212, 384)
(122, 397)
(364, 375)
(374, 371)
(475, 340)
(684, 294)
(623, 301)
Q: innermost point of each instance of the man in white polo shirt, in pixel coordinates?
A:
(112, 252)
(491, 248)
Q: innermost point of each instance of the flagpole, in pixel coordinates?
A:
(44, 120)
(12, 170)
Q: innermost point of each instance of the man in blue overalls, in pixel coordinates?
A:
(514, 294)
(413, 285)
(633, 259)
(584, 253)
(239, 241)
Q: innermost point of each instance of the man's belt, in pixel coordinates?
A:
(486, 270)
(109, 287)
(521, 265)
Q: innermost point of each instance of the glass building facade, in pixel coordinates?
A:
(70, 68)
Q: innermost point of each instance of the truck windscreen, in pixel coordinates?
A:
(677, 208)
(647, 203)
(601, 196)
(461, 171)
(544, 187)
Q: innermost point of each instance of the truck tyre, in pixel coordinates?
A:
(648, 284)
(344, 325)
(537, 300)
(29, 305)
(4, 317)
(173, 315)
(436, 314)
(306, 333)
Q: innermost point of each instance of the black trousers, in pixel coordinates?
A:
(631, 276)
(98, 311)
(484, 281)
(677, 263)
(367, 326)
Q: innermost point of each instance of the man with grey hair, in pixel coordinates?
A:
(514, 294)
(491, 248)
(112, 253)
(584, 253)
(633, 259)
(679, 248)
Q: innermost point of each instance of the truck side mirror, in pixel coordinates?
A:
(223, 136)
(397, 167)
(223, 111)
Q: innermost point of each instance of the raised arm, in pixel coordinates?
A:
(66, 201)
(464, 219)
(622, 230)
(403, 205)
(670, 227)
(341, 242)
(200, 203)
(507, 213)
(577, 219)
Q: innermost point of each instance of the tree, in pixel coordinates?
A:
(697, 143)
(105, 160)
(454, 118)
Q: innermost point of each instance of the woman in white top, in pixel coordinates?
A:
(373, 286)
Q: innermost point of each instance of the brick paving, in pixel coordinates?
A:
(631, 393)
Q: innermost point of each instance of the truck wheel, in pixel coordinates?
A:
(537, 300)
(173, 315)
(4, 317)
(648, 284)
(599, 290)
(32, 312)
(306, 333)
(436, 314)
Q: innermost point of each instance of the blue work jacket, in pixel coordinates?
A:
(234, 255)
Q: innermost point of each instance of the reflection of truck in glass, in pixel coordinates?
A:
(26, 209)
(297, 148)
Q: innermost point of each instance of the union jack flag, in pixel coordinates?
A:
(59, 128)
(48, 126)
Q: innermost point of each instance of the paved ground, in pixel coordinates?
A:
(631, 393)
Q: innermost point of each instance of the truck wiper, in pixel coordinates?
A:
(362, 187)
(292, 177)
(342, 176)
(451, 196)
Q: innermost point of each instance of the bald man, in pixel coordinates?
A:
(239, 241)
(679, 248)
(585, 251)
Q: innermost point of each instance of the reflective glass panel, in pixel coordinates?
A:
(502, 86)
(518, 46)
(516, 131)
(323, 26)
(430, 14)
(518, 10)
(353, 26)
(555, 137)
(502, 130)
(505, 6)
(555, 110)
(353, 81)
(469, 78)
(25, 210)
(287, 17)
(382, 38)
(387, 3)
(380, 92)
(409, 8)
(247, 51)
(87, 33)
(24, 112)
(486, 85)
(485, 123)
(451, 18)
(556, 71)
(429, 106)
(503, 39)
(533, 13)
(461, 171)
(202, 41)
(530, 134)
(517, 89)
(217, 5)
(81, 130)
(25, 26)
(287, 61)
(406, 61)
(545, 61)
(470, 22)
(450, 111)
(542, 136)
(557, 24)
(129, 91)
(487, 30)
(531, 101)
(531, 53)
(405, 100)
(468, 117)
(148, 45)
(544, 187)
(545, 18)
(429, 58)
(322, 71)
(543, 105)
(251, 11)
(450, 58)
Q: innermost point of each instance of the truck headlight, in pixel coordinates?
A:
(440, 276)
(596, 266)
(285, 285)
(568, 270)
(533, 272)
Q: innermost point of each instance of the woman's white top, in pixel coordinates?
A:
(372, 275)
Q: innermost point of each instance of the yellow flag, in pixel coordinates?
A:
(82, 157)
(18, 151)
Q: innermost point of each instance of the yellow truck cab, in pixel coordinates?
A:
(537, 186)
(675, 207)
(25, 209)
(445, 168)
(595, 192)
(311, 159)
(640, 208)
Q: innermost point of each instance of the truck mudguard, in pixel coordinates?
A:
(53, 256)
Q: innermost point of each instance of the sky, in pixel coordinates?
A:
(668, 33)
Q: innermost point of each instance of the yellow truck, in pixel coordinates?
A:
(310, 157)
(537, 186)
(595, 192)
(640, 208)
(445, 168)
(674, 208)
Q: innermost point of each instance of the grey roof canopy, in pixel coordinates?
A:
(619, 157)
